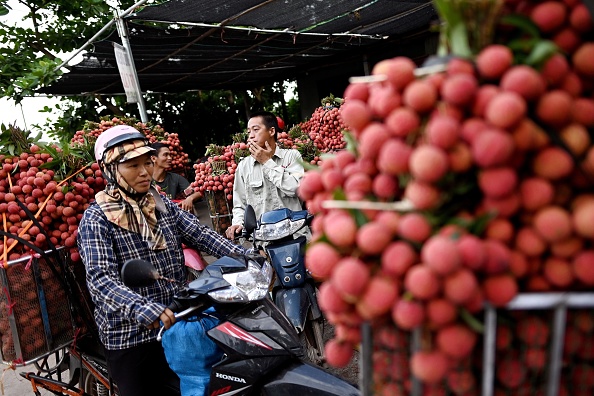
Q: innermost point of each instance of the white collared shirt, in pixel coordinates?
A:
(269, 186)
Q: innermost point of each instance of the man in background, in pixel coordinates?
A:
(269, 177)
(176, 187)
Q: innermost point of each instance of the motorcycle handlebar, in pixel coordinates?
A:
(175, 306)
(178, 315)
(180, 310)
(185, 312)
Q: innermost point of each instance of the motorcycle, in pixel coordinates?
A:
(262, 353)
(294, 290)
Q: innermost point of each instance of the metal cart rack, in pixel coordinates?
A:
(554, 307)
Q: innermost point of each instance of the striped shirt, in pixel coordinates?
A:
(122, 313)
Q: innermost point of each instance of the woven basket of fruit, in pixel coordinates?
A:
(219, 209)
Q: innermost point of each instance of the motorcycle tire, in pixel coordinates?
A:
(312, 339)
(92, 386)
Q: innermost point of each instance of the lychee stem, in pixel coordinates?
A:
(467, 25)
(471, 321)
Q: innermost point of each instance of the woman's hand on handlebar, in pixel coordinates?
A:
(233, 231)
(167, 319)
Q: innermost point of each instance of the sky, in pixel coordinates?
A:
(27, 113)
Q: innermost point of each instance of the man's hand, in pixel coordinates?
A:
(232, 231)
(261, 154)
(187, 204)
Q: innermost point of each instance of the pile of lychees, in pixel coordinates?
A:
(495, 160)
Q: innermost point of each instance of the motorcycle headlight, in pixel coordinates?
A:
(249, 285)
(272, 232)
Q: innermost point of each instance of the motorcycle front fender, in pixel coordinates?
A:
(304, 380)
(295, 304)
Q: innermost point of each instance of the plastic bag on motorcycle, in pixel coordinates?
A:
(191, 354)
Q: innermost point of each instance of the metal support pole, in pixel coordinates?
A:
(489, 350)
(415, 345)
(556, 351)
(365, 359)
(123, 33)
(100, 32)
(366, 68)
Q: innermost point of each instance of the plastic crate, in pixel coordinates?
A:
(552, 322)
(35, 314)
(540, 344)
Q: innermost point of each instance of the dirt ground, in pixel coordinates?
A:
(350, 372)
(12, 384)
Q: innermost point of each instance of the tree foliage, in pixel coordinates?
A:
(31, 52)
(199, 117)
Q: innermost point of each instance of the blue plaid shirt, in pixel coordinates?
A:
(122, 313)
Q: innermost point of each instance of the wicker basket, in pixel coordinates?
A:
(220, 210)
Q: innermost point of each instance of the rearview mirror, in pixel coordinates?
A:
(139, 273)
(249, 220)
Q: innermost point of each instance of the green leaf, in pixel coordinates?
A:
(523, 44)
(407, 296)
(453, 30)
(50, 149)
(339, 195)
(542, 51)
(360, 217)
(523, 23)
(447, 13)
(351, 142)
(478, 226)
(471, 321)
(459, 41)
(309, 166)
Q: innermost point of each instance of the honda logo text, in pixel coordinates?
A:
(230, 378)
